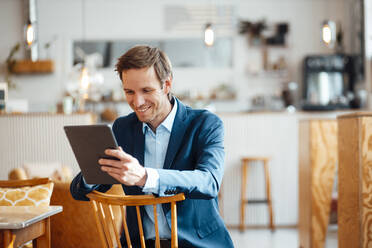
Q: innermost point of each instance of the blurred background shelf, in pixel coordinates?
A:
(33, 67)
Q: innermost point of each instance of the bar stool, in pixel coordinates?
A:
(243, 200)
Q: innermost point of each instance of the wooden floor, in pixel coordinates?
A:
(281, 238)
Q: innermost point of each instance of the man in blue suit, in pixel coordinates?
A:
(165, 148)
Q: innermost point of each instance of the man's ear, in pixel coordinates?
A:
(167, 85)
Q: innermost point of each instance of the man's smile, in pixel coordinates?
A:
(143, 109)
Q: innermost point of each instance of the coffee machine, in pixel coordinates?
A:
(328, 82)
(3, 96)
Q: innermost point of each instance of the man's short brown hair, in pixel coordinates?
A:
(143, 56)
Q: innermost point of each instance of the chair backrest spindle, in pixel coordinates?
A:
(117, 235)
(127, 237)
(157, 239)
(142, 236)
(174, 240)
(99, 225)
(104, 222)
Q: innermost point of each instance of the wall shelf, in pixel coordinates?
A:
(33, 67)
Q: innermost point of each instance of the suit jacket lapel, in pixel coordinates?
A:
(178, 131)
(138, 152)
(139, 143)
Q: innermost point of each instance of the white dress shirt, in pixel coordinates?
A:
(156, 145)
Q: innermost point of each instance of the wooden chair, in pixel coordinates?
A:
(102, 204)
(24, 183)
(67, 229)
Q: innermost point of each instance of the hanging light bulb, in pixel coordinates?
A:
(31, 30)
(83, 89)
(208, 35)
(329, 33)
(30, 34)
(84, 79)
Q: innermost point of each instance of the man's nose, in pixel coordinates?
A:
(138, 100)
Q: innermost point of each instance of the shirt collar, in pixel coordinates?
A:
(168, 122)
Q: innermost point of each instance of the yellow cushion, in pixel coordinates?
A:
(38, 195)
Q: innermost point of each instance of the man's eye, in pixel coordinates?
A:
(147, 90)
(129, 92)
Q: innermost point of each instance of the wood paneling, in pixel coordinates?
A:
(348, 189)
(304, 213)
(318, 157)
(355, 180)
(366, 170)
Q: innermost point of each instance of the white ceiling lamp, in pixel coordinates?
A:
(209, 29)
(209, 35)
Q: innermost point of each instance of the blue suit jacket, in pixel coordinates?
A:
(193, 165)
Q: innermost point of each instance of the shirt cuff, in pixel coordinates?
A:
(152, 182)
(86, 185)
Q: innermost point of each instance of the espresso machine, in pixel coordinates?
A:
(328, 82)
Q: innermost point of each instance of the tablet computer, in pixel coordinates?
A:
(89, 142)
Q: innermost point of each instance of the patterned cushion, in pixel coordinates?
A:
(38, 195)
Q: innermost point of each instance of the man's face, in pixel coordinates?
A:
(146, 96)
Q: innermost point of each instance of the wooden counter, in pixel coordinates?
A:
(317, 168)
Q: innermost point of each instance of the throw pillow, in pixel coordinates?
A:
(38, 195)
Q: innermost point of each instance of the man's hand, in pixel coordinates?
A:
(127, 170)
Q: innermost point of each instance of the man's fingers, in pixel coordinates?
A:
(116, 176)
(111, 169)
(112, 163)
(119, 153)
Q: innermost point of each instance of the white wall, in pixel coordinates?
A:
(368, 47)
(114, 19)
(268, 135)
(368, 27)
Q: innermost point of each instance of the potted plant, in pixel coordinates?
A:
(10, 63)
(253, 30)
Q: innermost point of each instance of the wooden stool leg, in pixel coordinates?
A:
(243, 195)
(220, 201)
(268, 195)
